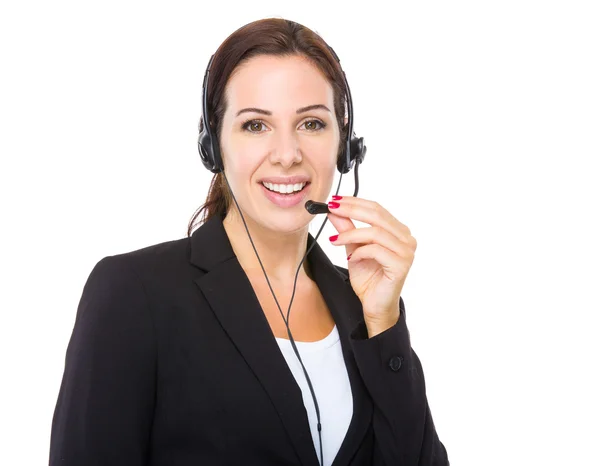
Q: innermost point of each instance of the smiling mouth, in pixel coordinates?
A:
(286, 194)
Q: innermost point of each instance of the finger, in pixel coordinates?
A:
(394, 267)
(343, 224)
(369, 212)
(401, 246)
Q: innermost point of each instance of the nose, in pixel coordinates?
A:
(286, 149)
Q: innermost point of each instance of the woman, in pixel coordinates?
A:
(181, 354)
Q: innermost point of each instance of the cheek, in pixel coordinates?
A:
(324, 148)
(241, 156)
(327, 154)
(243, 166)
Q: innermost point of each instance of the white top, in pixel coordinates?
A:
(326, 368)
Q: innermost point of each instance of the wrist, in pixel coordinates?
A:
(377, 326)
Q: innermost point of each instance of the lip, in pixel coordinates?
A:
(286, 179)
(286, 200)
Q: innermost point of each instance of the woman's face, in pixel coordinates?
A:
(279, 124)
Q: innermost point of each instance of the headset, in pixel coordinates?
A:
(352, 155)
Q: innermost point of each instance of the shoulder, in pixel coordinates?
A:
(158, 256)
(150, 264)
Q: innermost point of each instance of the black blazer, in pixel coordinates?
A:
(172, 362)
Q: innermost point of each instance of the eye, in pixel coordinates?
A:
(313, 125)
(253, 126)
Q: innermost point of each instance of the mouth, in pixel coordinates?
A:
(286, 189)
(286, 199)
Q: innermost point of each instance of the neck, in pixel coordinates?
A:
(280, 253)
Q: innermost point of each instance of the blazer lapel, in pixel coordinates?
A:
(211, 251)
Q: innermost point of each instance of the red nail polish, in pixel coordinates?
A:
(336, 198)
(333, 205)
(348, 258)
(333, 238)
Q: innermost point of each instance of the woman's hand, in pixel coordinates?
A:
(381, 256)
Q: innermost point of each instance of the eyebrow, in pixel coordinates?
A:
(267, 112)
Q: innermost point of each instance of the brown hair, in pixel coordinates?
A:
(271, 36)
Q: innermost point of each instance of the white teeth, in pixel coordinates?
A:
(284, 188)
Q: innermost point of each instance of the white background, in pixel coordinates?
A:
(482, 121)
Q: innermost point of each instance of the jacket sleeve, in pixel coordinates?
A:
(105, 405)
(404, 430)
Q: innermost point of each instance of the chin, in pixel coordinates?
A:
(285, 222)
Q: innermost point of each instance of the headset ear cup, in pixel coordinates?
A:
(205, 150)
(342, 162)
(358, 150)
(357, 154)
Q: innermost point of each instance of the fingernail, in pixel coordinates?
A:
(348, 258)
(336, 198)
(333, 205)
(333, 238)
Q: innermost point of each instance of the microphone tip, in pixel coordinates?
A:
(314, 207)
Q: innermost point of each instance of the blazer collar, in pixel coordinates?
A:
(211, 252)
